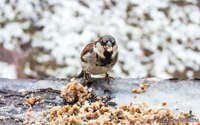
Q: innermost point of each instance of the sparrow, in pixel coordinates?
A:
(99, 57)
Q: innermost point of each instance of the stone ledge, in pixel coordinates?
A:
(179, 94)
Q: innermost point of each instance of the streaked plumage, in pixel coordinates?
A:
(99, 57)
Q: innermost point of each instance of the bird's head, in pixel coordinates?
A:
(107, 46)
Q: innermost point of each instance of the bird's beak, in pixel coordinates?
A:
(108, 46)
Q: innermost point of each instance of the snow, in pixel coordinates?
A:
(69, 26)
(8, 71)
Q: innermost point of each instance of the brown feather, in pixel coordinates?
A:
(87, 50)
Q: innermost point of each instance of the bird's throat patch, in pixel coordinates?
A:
(107, 54)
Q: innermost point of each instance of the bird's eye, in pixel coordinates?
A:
(114, 43)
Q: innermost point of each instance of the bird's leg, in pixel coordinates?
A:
(108, 77)
(86, 77)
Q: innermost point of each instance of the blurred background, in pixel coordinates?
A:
(44, 38)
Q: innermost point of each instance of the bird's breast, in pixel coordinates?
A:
(95, 64)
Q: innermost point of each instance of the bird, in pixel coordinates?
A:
(99, 57)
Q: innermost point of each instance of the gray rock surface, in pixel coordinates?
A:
(180, 95)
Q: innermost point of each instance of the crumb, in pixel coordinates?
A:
(135, 96)
(3, 118)
(42, 101)
(38, 97)
(138, 91)
(32, 100)
(141, 89)
(28, 114)
(23, 92)
(30, 108)
(90, 90)
(145, 104)
(78, 104)
(186, 114)
(105, 97)
(164, 104)
(44, 113)
(16, 120)
(38, 123)
(98, 98)
(49, 107)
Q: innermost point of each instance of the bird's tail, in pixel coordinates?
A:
(80, 75)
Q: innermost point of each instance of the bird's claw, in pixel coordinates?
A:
(109, 77)
(86, 77)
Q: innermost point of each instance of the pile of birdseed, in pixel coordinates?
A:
(96, 113)
(75, 91)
